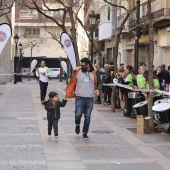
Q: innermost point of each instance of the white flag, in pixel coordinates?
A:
(68, 46)
(64, 65)
(33, 64)
(5, 33)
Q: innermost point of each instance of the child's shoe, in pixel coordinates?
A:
(56, 136)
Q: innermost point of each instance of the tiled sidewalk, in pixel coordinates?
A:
(24, 143)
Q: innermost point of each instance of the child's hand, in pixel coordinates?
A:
(65, 97)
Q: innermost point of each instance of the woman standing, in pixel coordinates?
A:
(156, 84)
(128, 81)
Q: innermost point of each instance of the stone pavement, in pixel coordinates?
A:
(25, 145)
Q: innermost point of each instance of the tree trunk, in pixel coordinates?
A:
(150, 65)
(115, 54)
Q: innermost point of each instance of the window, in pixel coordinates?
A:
(108, 14)
(28, 14)
(33, 32)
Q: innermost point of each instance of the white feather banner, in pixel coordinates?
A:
(64, 65)
(68, 47)
(5, 33)
(33, 64)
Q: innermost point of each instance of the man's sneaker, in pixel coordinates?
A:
(133, 116)
(77, 129)
(105, 103)
(49, 132)
(118, 107)
(85, 136)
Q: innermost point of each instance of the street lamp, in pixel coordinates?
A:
(92, 22)
(16, 39)
(20, 47)
(61, 75)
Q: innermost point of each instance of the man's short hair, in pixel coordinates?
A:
(134, 71)
(85, 60)
(52, 94)
(163, 65)
(111, 62)
(106, 65)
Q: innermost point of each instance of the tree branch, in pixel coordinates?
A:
(115, 5)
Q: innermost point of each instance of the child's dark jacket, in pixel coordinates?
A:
(53, 111)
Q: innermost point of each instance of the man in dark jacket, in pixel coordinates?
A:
(53, 111)
(166, 74)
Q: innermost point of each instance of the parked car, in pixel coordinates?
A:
(55, 72)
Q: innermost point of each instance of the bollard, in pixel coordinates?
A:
(142, 124)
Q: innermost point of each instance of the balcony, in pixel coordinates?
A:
(160, 15)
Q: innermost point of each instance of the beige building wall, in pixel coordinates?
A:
(162, 47)
(45, 45)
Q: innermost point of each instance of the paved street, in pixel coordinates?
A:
(113, 145)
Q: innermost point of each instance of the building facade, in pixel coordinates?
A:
(110, 20)
(36, 30)
(37, 33)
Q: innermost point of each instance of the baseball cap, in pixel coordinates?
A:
(86, 60)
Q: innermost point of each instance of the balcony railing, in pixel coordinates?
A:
(164, 12)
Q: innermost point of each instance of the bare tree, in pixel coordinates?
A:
(64, 9)
(5, 7)
(150, 64)
(117, 40)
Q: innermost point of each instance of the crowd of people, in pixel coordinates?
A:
(135, 78)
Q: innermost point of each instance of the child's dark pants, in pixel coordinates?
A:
(54, 123)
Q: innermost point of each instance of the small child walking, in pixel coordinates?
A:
(53, 111)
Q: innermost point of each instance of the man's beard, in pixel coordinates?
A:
(83, 69)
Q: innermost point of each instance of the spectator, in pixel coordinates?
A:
(109, 79)
(166, 74)
(161, 77)
(141, 70)
(120, 79)
(128, 81)
(98, 101)
(105, 88)
(122, 73)
(156, 84)
(141, 82)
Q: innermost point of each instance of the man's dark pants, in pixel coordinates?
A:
(43, 89)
